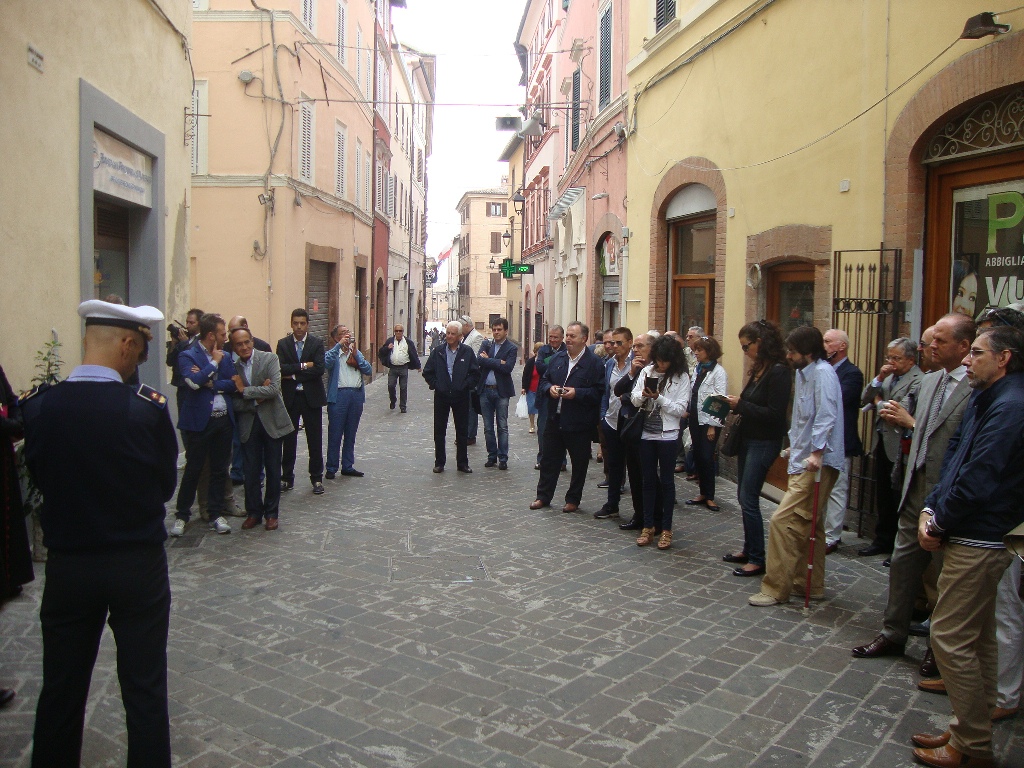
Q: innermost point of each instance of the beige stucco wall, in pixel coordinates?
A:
(761, 105)
(100, 42)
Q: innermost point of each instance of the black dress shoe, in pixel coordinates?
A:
(465, 468)
(928, 666)
(759, 571)
(880, 646)
(471, 441)
(537, 465)
(832, 548)
(330, 475)
(287, 485)
(606, 512)
(874, 549)
(491, 463)
(603, 484)
(922, 629)
(318, 489)
(632, 525)
(438, 469)
(887, 563)
(6, 695)
(697, 502)
(502, 465)
(352, 473)
(731, 558)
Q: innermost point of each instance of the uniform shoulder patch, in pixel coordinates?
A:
(37, 390)
(146, 392)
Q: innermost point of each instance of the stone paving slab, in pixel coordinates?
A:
(411, 619)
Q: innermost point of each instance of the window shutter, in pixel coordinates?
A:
(504, 209)
(575, 113)
(195, 131)
(495, 242)
(664, 12)
(308, 13)
(359, 58)
(367, 165)
(391, 195)
(339, 163)
(306, 144)
(605, 63)
(342, 20)
(359, 175)
(495, 283)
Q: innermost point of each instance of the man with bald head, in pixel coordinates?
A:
(239, 321)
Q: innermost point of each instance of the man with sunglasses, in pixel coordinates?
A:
(973, 506)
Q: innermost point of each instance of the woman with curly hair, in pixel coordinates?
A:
(663, 390)
(763, 404)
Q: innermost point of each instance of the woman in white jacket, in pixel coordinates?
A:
(709, 379)
(663, 390)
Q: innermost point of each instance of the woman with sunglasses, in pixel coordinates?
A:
(763, 404)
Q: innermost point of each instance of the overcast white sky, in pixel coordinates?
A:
(476, 64)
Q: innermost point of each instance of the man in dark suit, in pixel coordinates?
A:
(851, 381)
(453, 373)
(572, 386)
(398, 354)
(894, 382)
(206, 420)
(556, 344)
(302, 386)
(942, 399)
(497, 358)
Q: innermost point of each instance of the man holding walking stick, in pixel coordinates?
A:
(816, 443)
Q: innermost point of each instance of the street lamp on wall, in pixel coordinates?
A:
(518, 202)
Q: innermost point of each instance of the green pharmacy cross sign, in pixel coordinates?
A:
(510, 269)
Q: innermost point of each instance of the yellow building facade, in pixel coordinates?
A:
(95, 199)
(821, 163)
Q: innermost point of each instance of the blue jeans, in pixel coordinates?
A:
(473, 423)
(342, 422)
(658, 459)
(754, 460)
(494, 406)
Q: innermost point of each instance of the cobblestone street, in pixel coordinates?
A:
(413, 619)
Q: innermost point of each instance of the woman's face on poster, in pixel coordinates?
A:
(966, 295)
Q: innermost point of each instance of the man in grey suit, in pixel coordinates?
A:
(942, 399)
(263, 421)
(893, 383)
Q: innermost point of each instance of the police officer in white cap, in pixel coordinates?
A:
(104, 455)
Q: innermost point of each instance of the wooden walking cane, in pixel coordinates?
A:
(811, 541)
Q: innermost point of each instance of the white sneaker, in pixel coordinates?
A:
(220, 525)
(178, 529)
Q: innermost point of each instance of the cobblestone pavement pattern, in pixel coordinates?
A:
(414, 619)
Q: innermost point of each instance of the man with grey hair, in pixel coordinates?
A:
(893, 382)
(452, 372)
(851, 380)
(473, 339)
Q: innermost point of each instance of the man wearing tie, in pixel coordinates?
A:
(302, 386)
(452, 372)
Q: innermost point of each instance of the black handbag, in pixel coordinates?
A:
(732, 431)
(632, 427)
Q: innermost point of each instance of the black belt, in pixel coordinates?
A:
(490, 386)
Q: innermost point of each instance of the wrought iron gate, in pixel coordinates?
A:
(865, 304)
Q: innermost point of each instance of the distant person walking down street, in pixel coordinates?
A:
(302, 384)
(452, 372)
(104, 455)
(346, 394)
(472, 338)
(398, 355)
(262, 421)
(531, 378)
(572, 385)
(815, 443)
(497, 358)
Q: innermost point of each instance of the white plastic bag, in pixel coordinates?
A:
(522, 408)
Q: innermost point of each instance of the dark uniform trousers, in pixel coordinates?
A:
(129, 589)
(313, 424)
(459, 408)
(556, 444)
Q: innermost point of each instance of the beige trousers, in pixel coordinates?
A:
(963, 635)
(789, 537)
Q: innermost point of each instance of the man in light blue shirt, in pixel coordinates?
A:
(816, 444)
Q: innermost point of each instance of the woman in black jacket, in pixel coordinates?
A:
(763, 405)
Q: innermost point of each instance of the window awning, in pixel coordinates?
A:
(562, 204)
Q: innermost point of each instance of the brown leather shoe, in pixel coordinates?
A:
(570, 507)
(538, 504)
(928, 741)
(271, 524)
(948, 757)
(251, 522)
(880, 646)
(1004, 713)
(933, 686)
(928, 666)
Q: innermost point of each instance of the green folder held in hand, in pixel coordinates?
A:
(717, 407)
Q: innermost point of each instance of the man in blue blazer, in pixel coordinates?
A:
(206, 420)
(453, 373)
(497, 358)
(573, 384)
